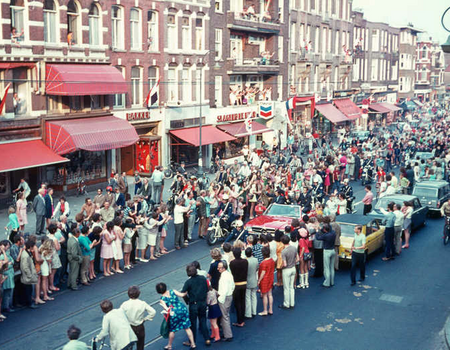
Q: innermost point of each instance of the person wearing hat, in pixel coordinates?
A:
(225, 208)
(237, 232)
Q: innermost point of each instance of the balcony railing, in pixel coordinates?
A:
(265, 18)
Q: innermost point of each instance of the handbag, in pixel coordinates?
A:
(307, 256)
(164, 329)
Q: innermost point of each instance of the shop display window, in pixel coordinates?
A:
(231, 149)
(83, 164)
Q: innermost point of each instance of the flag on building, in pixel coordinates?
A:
(249, 124)
(152, 96)
(3, 96)
(266, 109)
(290, 104)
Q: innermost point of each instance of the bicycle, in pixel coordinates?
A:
(13, 202)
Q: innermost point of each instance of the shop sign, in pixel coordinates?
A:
(232, 117)
(133, 116)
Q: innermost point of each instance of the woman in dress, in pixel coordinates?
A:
(56, 262)
(117, 249)
(94, 235)
(303, 248)
(407, 210)
(46, 251)
(107, 252)
(179, 315)
(265, 281)
(21, 211)
(279, 249)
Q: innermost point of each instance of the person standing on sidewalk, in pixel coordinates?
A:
(39, 209)
(226, 289)
(196, 291)
(367, 200)
(137, 312)
(158, 179)
(251, 299)
(239, 269)
(289, 257)
(358, 255)
(329, 238)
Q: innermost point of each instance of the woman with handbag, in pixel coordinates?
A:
(179, 315)
(305, 256)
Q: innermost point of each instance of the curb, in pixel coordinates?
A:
(447, 332)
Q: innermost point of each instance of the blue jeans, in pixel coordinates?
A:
(157, 187)
(7, 298)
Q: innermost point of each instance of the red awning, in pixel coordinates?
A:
(347, 107)
(378, 108)
(210, 135)
(27, 154)
(333, 114)
(90, 134)
(84, 79)
(390, 106)
(11, 65)
(239, 129)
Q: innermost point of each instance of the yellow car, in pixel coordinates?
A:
(371, 227)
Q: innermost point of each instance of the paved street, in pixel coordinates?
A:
(402, 305)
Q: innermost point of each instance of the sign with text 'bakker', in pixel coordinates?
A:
(133, 116)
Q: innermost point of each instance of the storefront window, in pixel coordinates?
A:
(231, 149)
(83, 164)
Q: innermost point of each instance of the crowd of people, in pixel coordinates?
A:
(117, 229)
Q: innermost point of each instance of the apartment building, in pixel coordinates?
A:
(430, 70)
(407, 62)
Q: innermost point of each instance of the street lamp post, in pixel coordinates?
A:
(200, 153)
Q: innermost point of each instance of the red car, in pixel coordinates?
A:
(276, 217)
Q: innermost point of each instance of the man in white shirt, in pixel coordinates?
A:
(116, 325)
(137, 312)
(178, 221)
(158, 180)
(398, 225)
(226, 289)
(245, 170)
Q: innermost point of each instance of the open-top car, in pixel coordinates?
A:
(276, 217)
(433, 193)
(419, 213)
(371, 227)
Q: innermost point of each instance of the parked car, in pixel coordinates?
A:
(358, 136)
(371, 227)
(419, 211)
(276, 216)
(432, 193)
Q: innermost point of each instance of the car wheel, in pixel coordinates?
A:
(211, 237)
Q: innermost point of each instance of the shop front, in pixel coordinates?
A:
(328, 119)
(145, 154)
(90, 144)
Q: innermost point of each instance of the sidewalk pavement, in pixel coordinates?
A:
(447, 332)
(74, 202)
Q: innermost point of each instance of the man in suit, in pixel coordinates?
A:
(49, 205)
(280, 198)
(75, 258)
(39, 208)
(146, 190)
(120, 199)
(99, 198)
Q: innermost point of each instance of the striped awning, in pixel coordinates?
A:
(90, 134)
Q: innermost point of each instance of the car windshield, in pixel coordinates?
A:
(347, 230)
(283, 210)
(425, 192)
(383, 202)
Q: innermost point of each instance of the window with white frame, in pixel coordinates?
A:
(186, 86)
(218, 43)
(236, 52)
(119, 99)
(423, 74)
(375, 40)
(74, 23)
(199, 34)
(50, 19)
(153, 77)
(401, 84)
(374, 70)
(218, 5)
(152, 30)
(258, 41)
(172, 85)
(117, 27)
(136, 86)
(172, 32)
(218, 90)
(292, 40)
(356, 67)
(336, 43)
(280, 48)
(186, 34)
(135, 29)
(95, 30)
(198, 84)
(17, 20)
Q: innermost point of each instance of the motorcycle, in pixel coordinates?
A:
(219, 229)
(81, 187)
(172, 170)
(367, 175)
(447, 230)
